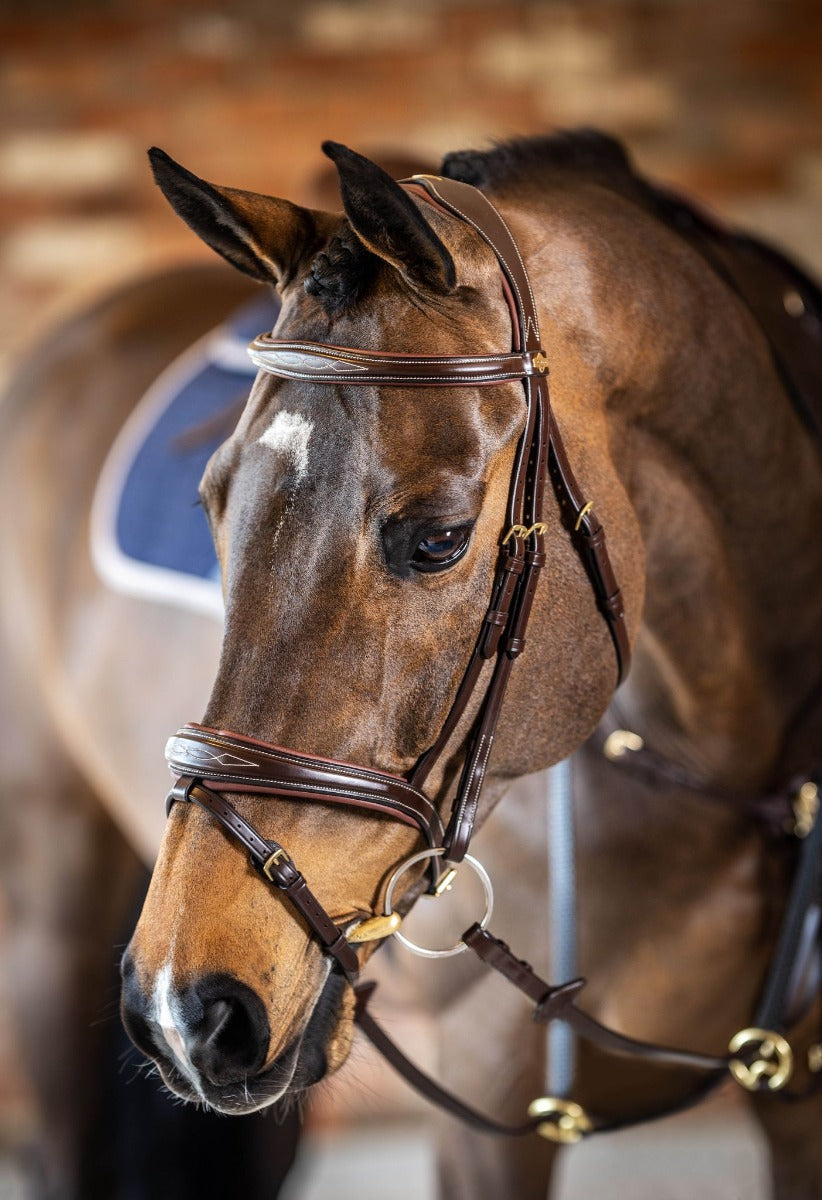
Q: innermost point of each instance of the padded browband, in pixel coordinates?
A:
(318, 362)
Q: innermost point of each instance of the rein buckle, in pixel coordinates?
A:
(566, 1121)
(772, 1066)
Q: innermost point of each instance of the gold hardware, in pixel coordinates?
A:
(567, 1121)
(805, 808)
(271, 860)
(519, 531)
(772, 1066)
(540, 361)
(374, 928)
(815, 1058)
(618, 742)
(538, 527)
(586, 508)
(446, 882)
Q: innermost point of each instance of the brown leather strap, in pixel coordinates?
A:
(551, 1003)
(560, 1002)
(589, 538)
(473, 207)
(423, 1083)
(319, 362)
(275, 864)
(773, 810)
(228, 762)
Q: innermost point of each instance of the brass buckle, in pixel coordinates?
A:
(583, 512)
(566, 1121)
(525, 531)
(805, 808)
(773, 1065)
(270, 862)
(519, 531)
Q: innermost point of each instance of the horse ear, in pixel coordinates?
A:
(260, 235)
(389, 224)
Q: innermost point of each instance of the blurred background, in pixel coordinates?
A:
(721, 99)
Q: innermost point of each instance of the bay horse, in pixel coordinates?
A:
(358, 530)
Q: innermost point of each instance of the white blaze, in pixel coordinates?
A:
(289, 434)
(165, 1019)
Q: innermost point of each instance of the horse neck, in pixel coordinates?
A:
(725, 482)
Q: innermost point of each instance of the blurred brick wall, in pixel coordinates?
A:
(725, 99)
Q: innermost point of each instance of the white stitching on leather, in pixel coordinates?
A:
(325, 350)
(283, 756)
(486, 237)
(418, 819)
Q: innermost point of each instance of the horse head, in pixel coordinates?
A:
(358, 530)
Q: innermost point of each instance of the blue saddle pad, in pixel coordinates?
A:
(149, 536)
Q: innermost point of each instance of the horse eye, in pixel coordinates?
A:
(441, 550)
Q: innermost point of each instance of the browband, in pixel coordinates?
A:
(318, 362)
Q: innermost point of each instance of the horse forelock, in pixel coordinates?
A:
(342, 272)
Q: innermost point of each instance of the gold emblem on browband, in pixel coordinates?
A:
(540, 362)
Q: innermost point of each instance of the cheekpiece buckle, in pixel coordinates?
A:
(524, 531)
(279, 855)
(772, 1065)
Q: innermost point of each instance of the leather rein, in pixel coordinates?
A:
(210, 762)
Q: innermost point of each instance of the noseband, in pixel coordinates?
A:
(211, 762)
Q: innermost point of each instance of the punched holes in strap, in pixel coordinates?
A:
(277, 867)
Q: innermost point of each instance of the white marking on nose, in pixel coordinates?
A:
(165, 1019)
(289, 434)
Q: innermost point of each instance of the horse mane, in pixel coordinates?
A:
(587, 153)
(342, 272)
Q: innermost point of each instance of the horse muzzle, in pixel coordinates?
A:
(210, 1038)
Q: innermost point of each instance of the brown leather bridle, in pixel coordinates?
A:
(212, 762)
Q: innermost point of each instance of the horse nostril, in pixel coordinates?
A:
(227, 1035)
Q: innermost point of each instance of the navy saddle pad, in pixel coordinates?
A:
(149, 536)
